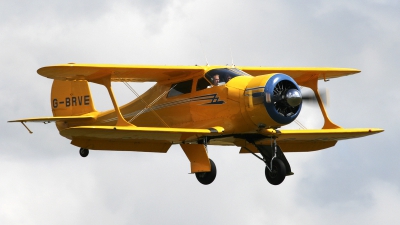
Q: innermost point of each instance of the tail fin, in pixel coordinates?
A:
(71, 98)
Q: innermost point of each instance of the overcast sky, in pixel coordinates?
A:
(45, 181)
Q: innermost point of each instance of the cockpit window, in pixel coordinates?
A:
(180, 88)
(202, 83)
(222, 76)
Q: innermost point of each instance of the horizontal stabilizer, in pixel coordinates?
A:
(55, 118)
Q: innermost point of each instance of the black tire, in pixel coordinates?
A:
(207, 177)
(278, 173)
(84, 152)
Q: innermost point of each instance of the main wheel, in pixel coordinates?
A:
(207, 177)
(278, 172)
(84, 152)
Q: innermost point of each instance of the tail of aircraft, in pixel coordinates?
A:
(71, 98)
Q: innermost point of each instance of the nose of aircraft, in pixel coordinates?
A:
(293, 97)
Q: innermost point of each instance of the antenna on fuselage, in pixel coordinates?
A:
(205, 56)
(233, 64)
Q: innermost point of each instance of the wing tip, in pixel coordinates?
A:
(217, 129)
(375, 130)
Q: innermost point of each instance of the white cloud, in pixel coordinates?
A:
(44, 180)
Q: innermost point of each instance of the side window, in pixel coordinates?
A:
(202, 83)
(180, 88)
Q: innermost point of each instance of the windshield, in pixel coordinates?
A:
(222, 76)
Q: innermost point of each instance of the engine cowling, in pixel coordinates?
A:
(272, 100)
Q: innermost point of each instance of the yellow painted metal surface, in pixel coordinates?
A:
(312, 140)
(198, 157)
(312, 83)
(320, 135)
(309, 146)
(122, 145)
(326, 134)
(137, 133)
(150, 123)
(301, 74)
(156, 73)
(253, 108)
(71, 98)
(128, 73)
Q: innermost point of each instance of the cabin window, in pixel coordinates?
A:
(223, 75)
(180, 88)
(202, 83)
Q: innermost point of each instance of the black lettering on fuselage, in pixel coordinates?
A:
(67, 102)
(73, 101)
(55, 103)
(87, 99)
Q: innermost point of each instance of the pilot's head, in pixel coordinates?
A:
(215, 79)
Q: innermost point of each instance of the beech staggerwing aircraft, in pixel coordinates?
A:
(195, 106)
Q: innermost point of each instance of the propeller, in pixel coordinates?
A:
(287, 98)
(309, 97)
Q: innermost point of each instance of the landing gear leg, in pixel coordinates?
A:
(277, 167)
(207, 177)
(84, 152)
(276, 171)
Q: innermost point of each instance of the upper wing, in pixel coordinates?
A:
(301, 74)
(145, 73)
(127, 73)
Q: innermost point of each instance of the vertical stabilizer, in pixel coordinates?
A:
(71, 98)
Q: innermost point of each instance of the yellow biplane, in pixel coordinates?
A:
(195, 106)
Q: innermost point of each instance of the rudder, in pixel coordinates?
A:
(71, 98)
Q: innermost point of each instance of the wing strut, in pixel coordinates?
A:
(313, 84)
(148, 106)
(145, 103)
(106, 81)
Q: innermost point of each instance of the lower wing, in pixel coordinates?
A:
(310, 140)
(145, 139)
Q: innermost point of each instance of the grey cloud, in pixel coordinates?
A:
(45, 180)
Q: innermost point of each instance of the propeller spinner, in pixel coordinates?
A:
(293, 97)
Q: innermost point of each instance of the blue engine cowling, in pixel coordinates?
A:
(279, 90)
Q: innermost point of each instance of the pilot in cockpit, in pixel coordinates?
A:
(216, 80)
(222, 76)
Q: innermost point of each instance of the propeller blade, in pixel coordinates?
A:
(310, 97)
